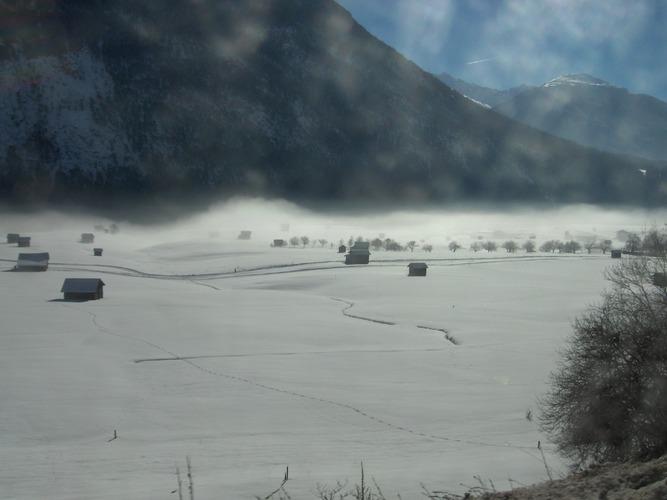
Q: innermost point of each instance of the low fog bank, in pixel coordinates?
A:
(269, 220)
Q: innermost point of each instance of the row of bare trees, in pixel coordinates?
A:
(651, 243)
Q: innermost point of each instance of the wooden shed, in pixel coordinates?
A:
(83, 288)
(278, 243)
(33, 261)
(87, 238)
(97, 252)
(358, 254)
(245, 235)
(660, 279)
(616, 254)
(12, 238)
(342, 249)
(23, 241)
(417, 269)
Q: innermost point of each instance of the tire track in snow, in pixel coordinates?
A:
(382, 322)
(350, 305)
(296, 267)
(330, 402)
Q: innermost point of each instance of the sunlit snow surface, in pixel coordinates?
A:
(250, 359)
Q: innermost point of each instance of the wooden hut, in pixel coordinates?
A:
(358, 254)
(342, 249)
(660, 280)
(82, 288)
(87, 238)
(417, 269)
(33, 261)
(12, 238)
(245, 235)
(23, 241)
(278, 243)
(97, 252)
(616, 254)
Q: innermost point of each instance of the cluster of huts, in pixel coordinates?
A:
(72, 288)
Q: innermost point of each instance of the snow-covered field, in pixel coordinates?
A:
(250, 359)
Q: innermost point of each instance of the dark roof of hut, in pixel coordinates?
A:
(81, 285)
(417, 265)
(34, 257)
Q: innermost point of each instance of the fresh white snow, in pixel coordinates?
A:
(250, 359)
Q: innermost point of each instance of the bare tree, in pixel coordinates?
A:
(608, 399)
(589, 246)
(511, 246)
(322, 242)
(529, 246)
(475, 246)
(605, 246)
(427, 248)
(490, 246)
(454, 246)
(411, 245)
(550, 246)
(570, 247)
(305, 240)
(633, 243)
(294, 241)
(391, 245)
(376, 244)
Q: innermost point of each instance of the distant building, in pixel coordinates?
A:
(87, 238)
(23, 241)
(342, 249)
(12, 238)
(417, 269)
(83, 288)
(358, 254)
(33, 262)
(245, 235)
(616, 254)
(278, 243)
(97, 252)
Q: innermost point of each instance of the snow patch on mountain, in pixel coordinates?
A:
(577, 79)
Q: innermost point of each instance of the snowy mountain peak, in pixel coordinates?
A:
(577, 79)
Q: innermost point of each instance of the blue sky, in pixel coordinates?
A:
(504, 43)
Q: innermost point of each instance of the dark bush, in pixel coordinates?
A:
(608, 399)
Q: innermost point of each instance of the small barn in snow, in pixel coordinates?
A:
(358, 254)
(23, 241)
(33, 261)
(342, 249)
(97, 252)
(278, 243)
(87, 238)
(245, 235)
(417, 269)
(12, 238)
(616, 254)
(83, 288)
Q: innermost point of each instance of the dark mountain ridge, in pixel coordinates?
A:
(114, 101)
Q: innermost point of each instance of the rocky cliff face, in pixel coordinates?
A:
(116, 100)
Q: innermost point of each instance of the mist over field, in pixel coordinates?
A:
(271, 219)
(250, 359)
